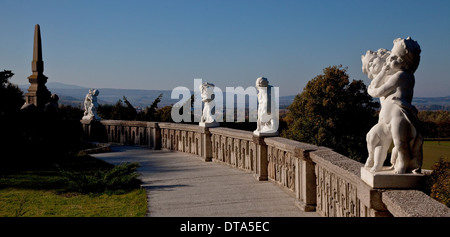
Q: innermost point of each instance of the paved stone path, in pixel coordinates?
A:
(182, 185)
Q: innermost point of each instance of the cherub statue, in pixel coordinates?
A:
(267, 122)
(207, 93)
(394, 85)
(379, 137)
(90, 105)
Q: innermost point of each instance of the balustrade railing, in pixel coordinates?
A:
(320, 179)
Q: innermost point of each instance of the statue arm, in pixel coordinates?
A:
(387, 88)
(380, 77)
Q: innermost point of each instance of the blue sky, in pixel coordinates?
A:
(165, 44)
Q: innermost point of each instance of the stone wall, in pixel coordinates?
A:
(320, 179)
(137, 133)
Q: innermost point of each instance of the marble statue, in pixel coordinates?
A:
(208, 119)
(90, 105)
(267, 123)
(379, 137)
(392, 75)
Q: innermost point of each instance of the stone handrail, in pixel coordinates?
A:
(320, 179)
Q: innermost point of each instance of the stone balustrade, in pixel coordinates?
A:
(236, 149)
(320, 179)
(340, 190)
(123, 132)
(290, 166)
(182, 137)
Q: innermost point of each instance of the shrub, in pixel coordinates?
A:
(439, 182)
(117, 180)
(333, 111)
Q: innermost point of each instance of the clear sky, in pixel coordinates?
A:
(163, 44)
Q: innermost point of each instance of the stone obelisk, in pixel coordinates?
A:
(38, 94)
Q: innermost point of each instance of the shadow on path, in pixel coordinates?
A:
(183, 185)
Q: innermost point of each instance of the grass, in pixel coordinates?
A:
(43, 203)
(433, 151)
(41, 191)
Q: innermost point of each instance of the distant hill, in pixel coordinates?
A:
(59, 85)
(74, 95)
(421, 103)
(432, 103)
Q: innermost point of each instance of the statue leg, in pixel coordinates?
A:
(378, 142)
(372, 140)
(394, 155)
(417, 155)
(401, 134)
(380, 154)
(370, 150)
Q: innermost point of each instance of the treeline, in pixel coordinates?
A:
(435, 124)
(121, 110)
(433, 107)
(124, 110)
(33, 136)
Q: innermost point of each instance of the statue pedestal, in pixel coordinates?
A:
(209, 125)
(261, 155)
(388, 179)
(94, 130)
(265, 134)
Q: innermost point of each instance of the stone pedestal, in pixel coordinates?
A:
(305, 185)
(209, 125)
(265, 134)
(156, 136)
(93, 130)
(387, 179)
(261, 158)
(206, 152)
(261, 154)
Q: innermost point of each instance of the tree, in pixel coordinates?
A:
(29, 137)
(164, 114)
(70, 112)
(333, 112)
(11, 97)
(435, 124)
(149, 113)
(129, 112)
(122, 110)
(438, 183)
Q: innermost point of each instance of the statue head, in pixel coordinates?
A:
(406, 53)
(373, 62)
(262, 82)
(367, 60)
(95, 92)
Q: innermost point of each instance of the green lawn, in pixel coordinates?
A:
(16, 202)
(41, 191)
(433, 151)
